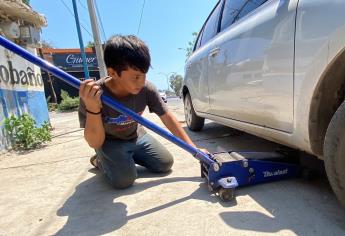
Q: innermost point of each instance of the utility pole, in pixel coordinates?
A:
(97, 39)
(81, 44)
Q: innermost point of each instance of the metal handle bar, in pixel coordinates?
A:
(105, 99)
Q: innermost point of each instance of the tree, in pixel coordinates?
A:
(90, 44)
(46, 44)
(190, 46)
(175, 82)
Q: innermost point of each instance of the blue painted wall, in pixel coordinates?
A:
(21, 91)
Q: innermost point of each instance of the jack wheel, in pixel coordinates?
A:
(226, 194)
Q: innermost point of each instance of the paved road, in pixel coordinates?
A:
(55, 191)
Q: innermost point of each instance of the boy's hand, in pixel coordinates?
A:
(91, 93)
(204, 150)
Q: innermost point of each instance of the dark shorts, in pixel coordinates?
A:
(118, 158)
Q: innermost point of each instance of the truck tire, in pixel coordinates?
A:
(194, 122)
(334, 153)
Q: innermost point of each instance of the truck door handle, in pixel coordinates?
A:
(214, 52)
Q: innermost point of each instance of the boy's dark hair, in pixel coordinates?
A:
(122, 52)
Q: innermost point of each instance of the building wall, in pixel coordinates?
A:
(21, 91)
(21, 85)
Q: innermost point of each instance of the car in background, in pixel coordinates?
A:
(275, 69)
(163, 96)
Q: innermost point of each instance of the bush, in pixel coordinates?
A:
(25, 134)
(67, 103)
(52, 106)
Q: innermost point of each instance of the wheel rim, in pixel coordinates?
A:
(188, 111)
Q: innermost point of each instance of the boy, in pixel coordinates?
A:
(119, 141)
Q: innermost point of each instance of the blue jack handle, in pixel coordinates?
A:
(203, 157)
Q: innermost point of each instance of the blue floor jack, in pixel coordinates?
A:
(223, 171)
(230, 170)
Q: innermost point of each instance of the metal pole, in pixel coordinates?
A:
(81, 44)
(97, 39)
(50, 82)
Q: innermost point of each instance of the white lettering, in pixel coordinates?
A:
(72, 59)
(275, 173)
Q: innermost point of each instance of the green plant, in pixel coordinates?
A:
(175, 81)
(25, 134)
(67, 103)
(51, 106)
(189, 49)
(27, 2)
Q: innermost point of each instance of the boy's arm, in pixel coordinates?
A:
(94, 133)
(175, 128)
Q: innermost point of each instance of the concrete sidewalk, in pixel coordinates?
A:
(55, 191)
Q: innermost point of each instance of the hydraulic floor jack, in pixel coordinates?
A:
(230, 170)
(223, 171)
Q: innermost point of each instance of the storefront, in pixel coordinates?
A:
(69, 60)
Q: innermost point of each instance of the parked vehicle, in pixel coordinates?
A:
(276, 69)
(163, 96)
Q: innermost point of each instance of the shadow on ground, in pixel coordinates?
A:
(93, 209)
(218, 138)
(295, 205)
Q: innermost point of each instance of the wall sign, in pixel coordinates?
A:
(74, 60)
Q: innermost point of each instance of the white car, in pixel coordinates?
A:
(276, 69)
(163, 96)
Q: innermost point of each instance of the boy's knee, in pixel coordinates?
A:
(164, 166)
(167, 165)
(123, 182)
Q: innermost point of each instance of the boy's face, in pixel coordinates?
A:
(131, 81)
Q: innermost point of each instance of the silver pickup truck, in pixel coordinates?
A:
(275, 69)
